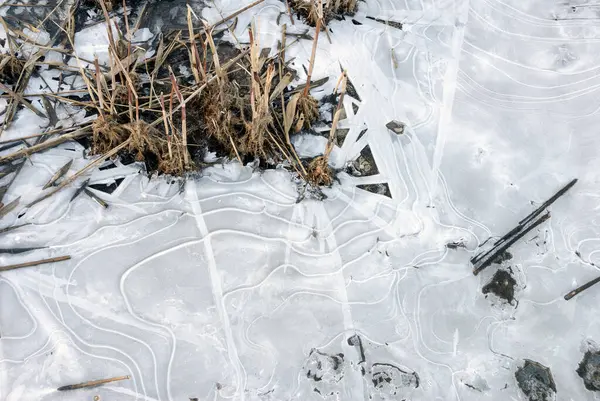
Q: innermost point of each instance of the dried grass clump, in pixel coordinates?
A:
(238, 111)
(223, 112)
(319, 173)
(143, 141)
(10, 68)
(308, 9)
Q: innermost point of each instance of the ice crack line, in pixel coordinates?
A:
(461, 9)
(217, 289)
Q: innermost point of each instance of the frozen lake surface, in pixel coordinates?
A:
(229, 288)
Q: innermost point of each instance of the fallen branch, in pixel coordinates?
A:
(34, 263)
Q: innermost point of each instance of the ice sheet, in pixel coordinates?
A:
(233, 287)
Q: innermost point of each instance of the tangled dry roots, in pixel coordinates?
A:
(319, 173)
(10, 68)
(143, 140)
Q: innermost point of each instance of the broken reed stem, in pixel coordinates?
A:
(92, 383)
(235, 149)
(51, 132)
(219, 72)
(44, 145)
(72, 178)
(582, 288)
(336, 116)
(17, 97)
(313, 53)
(289, 10)
(34, 263)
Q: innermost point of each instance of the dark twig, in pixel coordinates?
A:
(524, 222)
(477, 267)
(549, 202)
(582, 288)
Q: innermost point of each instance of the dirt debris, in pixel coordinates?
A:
(502, 285)
(10, 69)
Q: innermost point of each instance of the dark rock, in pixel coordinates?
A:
(589, 370)
(396, 127)
(536, 381)
(378, 189)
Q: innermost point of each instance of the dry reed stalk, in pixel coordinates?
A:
(219, 72)
(99, 89)
(44, 145)
(165, 121)
(236, 13)
(34, 263)
(183, 119)
(195, 59)
(313, 53)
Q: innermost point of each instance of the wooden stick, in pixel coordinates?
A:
(183, 119)
(92, 383)
(582, 288)
(34, 263)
